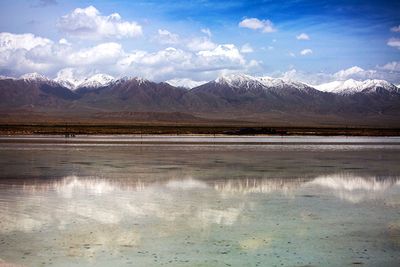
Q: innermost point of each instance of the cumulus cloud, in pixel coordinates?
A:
(89, 23)
(74, 76)
(388, 72)
(303, 36)
(246, 48)
(27, 41)
(394, 42)
(199, 59)
(393, 66)
(305, 52)
(227, 53)
(256, 24)
(28, 53)
(207, 32)
(23, 52)
(395, 29)
(64, 41)
(166, 37)
(200, 43)
(346, 73)
(173, 62)
(105, 53)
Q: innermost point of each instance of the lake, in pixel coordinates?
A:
(199, 201)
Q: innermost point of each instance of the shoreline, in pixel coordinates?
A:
(93, 140)
(189, 130)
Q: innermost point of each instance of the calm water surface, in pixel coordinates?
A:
(321, 202)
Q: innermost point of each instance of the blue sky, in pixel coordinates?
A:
(313, 41)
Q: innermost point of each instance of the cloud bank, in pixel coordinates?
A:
(89, 23)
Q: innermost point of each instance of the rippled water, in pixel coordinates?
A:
(200, 205)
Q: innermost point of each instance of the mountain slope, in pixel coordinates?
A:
(33, 91)
(236, 97)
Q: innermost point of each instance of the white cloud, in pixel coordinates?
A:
(106, 53)
(393, 66)
(23, 52)
(292, 54)
(64, 41)
(75, 76)
(88, 23)
(222, 53)
(207, 32)
(348, 73)
(303, 36)
(246, 48)
(305, 52)
(200, 43)
(395, 29)
(256, 24)
(172, 62)
(200, 59)
(388, 72)
(27, 41)
(394, 42)
(166, 37)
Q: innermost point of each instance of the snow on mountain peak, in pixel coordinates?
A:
(280, 83)
(242, 81)
(34, 76)
(97, 80)
(185, 83)
(352, 86)
(2, 77)
(234, 79)
(139, 80)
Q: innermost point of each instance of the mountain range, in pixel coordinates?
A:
(236, 97)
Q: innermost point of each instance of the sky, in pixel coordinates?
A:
(306, 40)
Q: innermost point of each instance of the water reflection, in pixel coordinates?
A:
(199, 207)
(31, 205)
(356, 189)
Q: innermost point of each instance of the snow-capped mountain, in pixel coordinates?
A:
(97, 80)
(229, 96)
(280, 83)
(239, 81)
(185, 83)
(2, 77)
(248, 82)
(138, 80)
(70, 83)
(349, 87)
(34, 76)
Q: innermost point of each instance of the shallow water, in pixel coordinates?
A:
(201, 205)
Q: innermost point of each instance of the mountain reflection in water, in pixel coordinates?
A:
(200, 206)
(110, 200)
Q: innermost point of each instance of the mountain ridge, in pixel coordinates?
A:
(235, 80)
(233, 97)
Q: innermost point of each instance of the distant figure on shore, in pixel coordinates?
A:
(69, 135)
